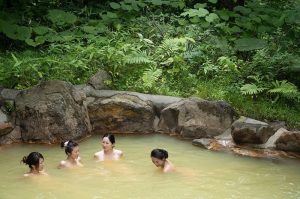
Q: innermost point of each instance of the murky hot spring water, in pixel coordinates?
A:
(200, 173)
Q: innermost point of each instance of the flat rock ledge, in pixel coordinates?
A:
(54, 111)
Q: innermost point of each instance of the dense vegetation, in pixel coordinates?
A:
(243, 52)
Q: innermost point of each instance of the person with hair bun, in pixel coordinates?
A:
(35, 161)
(108, 152)
(160, 159)
(72, 151)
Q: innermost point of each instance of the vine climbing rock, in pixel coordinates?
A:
(51, 112)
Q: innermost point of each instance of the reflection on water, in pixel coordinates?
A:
(199, 173)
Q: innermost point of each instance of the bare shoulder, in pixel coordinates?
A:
(62, 164)
(169, 167)
(118, 152)
(99, 155)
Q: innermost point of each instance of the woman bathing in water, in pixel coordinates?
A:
(72, 151)
(35, 161)
(159, 158)
(108, 152)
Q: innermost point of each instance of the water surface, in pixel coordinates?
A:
(200, 174)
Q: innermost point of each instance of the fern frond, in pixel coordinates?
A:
(251, 89)
(138, 58)
(175, 44)
(150, 76)
(283, 87)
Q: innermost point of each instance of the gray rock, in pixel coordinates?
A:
(5, 128)
(9, 94)
(121, 113)
(203, 142)
(3, 117)
(270, 144)
(51, 112)
(247, 130)
(196, 118)
(98, 80)
(12, 137)
(289, 141)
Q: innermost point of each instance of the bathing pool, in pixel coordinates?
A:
(200, 174)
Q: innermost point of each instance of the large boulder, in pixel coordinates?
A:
(196, 118)
(247, 130)
(289, 141)
(121, 113)
(51, 112)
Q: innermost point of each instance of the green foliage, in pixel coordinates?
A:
(251, 89)
(172, 49)
(138, 58)
(60, 17)
(285, 89)
(150, 77)
(247, 44)
(14, 31)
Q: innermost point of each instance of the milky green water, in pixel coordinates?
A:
(199, 173)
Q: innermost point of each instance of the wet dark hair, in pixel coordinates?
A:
(70, 145)
(110, 136)
(159, 154)
(32, 159)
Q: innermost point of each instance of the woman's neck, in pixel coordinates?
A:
(71, 160)
(109, 152)
(34, 171)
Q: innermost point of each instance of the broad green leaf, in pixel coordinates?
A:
(211, 17)
(112, 15)
(200, 5)
(126, 6)
(262, 29)
(200, 12)
(223, 15)
(242, 10)
(114, 5)
(213, 1)
(90, 29)
(247, 44)
(37, 41)
(295, 66)
(278, 22)
(195, 20)
(182, 22)
(53, 37)
(16, 32)
(255, 18)
(293, 17)
(235, 29)
(204, 24)
(156, 2)
(40, 30)
(60, 17)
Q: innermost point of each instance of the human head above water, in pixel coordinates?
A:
(33, 159)
(110, 136)
(159, 154)
(69, 146)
